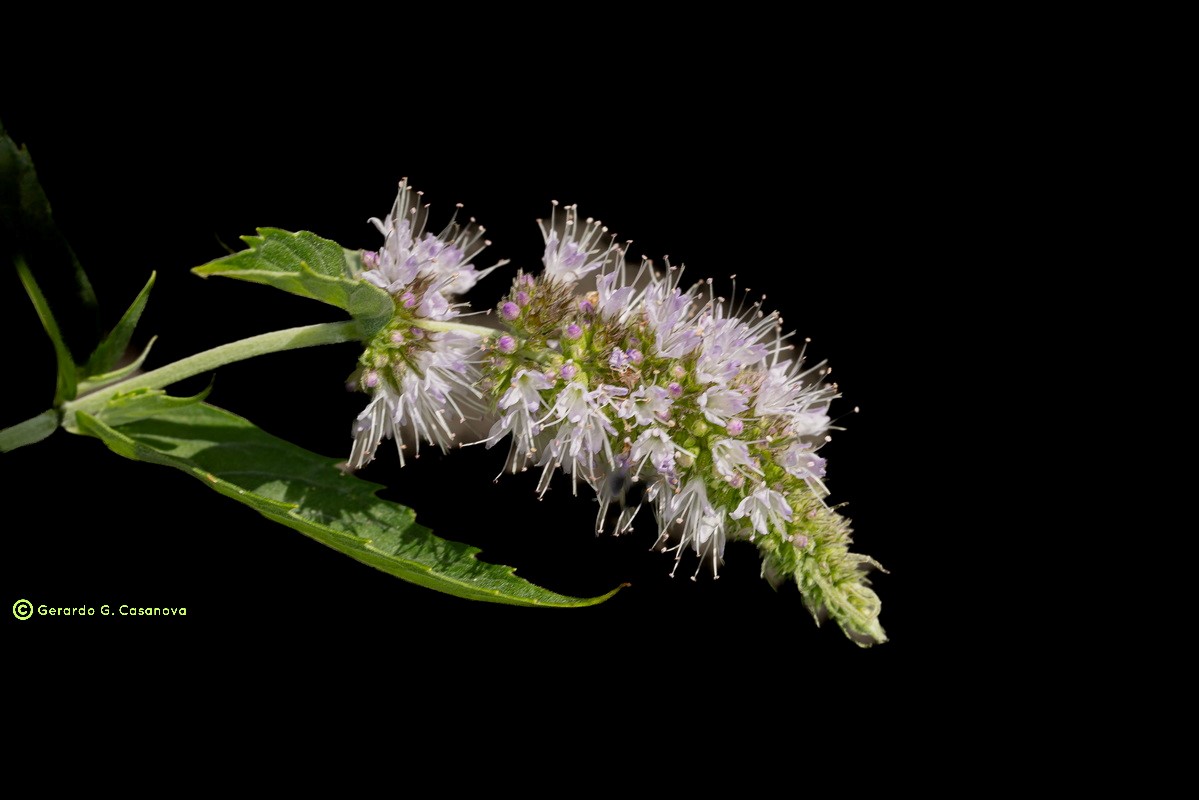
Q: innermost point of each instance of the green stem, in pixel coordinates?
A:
(274, 342)
(438, 325)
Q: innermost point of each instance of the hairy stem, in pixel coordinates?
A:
(274, 342)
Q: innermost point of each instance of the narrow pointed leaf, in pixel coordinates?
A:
(28, 229)
(305, 264)
(307, 492)
(65, 389)
(97, 381)
(110, 350)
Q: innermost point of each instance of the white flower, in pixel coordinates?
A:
(809, 423)
(377, 420)
(765, 508)
(703, 526)
(797, 396)
(583, 431)
(445, 379)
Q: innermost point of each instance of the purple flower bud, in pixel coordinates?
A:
(573, 331)
(506, 344)
(370, 259)
(370, 379)
(586, 307)
(408, 299)
(678, 372)
(734, 427)
(510, 310)
(800, 541)
(736, 480)
(568, 371)
(676, 391)
(635, 356)
(416, 333)
(525, 279)
(397, 337)
(522, 299)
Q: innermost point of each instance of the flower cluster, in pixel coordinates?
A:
(417, 374)
(641, 380)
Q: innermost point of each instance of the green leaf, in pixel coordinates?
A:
(66, 387)
(305, 264)
(27, 228)
(144, 403)
(29, 431)
(97, 381)
(110, 350)
(307, 492)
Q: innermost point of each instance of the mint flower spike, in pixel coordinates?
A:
(641, 381)
(415, 369)
(703, 402)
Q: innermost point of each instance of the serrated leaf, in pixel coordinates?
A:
(29, 431)
(112, 347)
(305, 264)
(66, 384)
(307, 492)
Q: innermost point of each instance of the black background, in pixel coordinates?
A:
(826, 193)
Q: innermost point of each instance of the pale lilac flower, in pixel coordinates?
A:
(646, 405)
(573, 250)
(765, 508)
(619, 360)
(408, 253)
(732, 460)
(583, 431)
(656, 446)
(438, 373)
(668, 310)
(785, 391)
(517, 407)
(800, 461)
(729, 346)
(615, 300)
(446, 381)
(718, 404)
